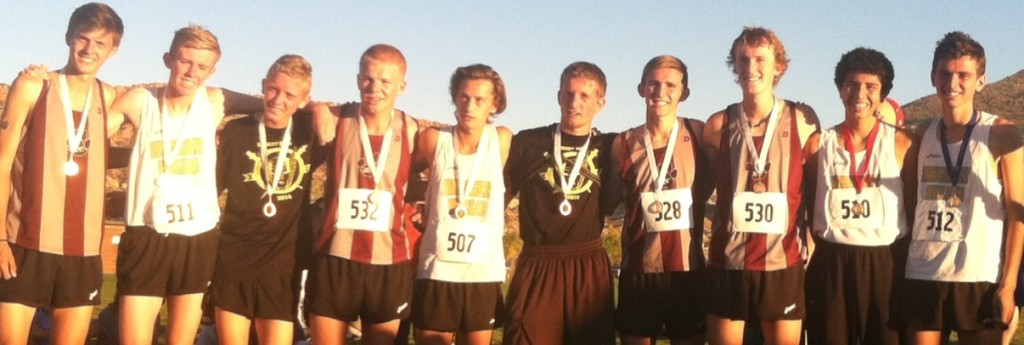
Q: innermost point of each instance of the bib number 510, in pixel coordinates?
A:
(756, 212)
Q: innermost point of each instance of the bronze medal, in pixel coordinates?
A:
(459, 212)
(759, 187)
(654, 207)
(858, 209)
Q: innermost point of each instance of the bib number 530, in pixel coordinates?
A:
(757, 212)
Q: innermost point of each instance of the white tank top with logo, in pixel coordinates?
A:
(464, 245)
(872, 217)
(958, 230)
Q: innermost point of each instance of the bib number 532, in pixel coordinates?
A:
(364, 209)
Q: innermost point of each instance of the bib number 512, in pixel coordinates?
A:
(177, 213)
(940, 221)
(756, 212)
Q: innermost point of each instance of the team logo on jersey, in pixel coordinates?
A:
(294, 171)
(83, 147)
(185, 163)
(589, 173)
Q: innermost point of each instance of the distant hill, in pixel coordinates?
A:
(1004, 98)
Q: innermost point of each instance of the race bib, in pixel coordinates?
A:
(364, 209)
(765, 213)
(937, 221)
(176, 207)
(668, 210)
(462, 241)
(850, 210)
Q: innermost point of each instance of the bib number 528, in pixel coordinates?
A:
(756, 212)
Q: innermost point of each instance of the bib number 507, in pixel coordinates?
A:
(462, 243)
(364, 209)
(756, 212)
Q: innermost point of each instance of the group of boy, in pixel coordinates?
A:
(902, 234)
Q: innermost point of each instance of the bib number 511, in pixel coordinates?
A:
(177, 213)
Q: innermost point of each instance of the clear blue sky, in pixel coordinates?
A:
(529, 42)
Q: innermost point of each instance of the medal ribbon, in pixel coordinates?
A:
(575, 172)
(954, 171)
(463, 189)
(762, 156)
(385, 147)
(859, 173)
(74, 135)
(670, 148)
(282, 156)
(170, 155)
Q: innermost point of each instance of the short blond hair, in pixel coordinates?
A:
(383, 52)
(195, 37)
(294, 66)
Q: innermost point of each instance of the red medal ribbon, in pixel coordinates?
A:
(859, 172)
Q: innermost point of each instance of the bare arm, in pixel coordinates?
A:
(426, 146)
(20, 103)
(1007, 144)
(505, 140)
(712, 138)
(325, 121)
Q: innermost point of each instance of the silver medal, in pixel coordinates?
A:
(70, 168)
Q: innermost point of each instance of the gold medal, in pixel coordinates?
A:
(953, 200)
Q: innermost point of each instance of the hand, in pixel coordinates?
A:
(36, 70)
(325, 123)
(8, 269)
(1005, 304)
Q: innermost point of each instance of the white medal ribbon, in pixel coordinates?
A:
(385, 146)
(670, 149)
(171, 154)
(271, 181)
(462, 194)
(762, 156)
(565, 207)
(74, 135)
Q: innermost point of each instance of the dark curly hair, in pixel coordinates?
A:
(868, 61)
